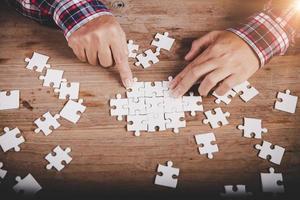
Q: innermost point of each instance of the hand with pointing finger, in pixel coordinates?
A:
(220, 59)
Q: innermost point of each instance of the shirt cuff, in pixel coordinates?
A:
(265, 36)
(70, 15)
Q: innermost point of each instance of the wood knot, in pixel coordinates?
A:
(118, 4)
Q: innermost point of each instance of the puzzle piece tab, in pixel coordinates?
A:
(119, 107)
(238, 191)
(272, 182)
(252, 128)
(207, 147)
(167, 178)
(11, 139)
(163, 42)
(37, 62)
(53, 78)
(47, 123)
(217, 118)
(267, 149)
(288, 102)
(132, 49)
(246, 91)
(28, 185)
(9, 99)
(147, 58)
(57, 159)
(68, 90)
(72, 109)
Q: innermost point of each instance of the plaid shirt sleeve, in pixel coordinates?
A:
(270, 33)
(69, 15)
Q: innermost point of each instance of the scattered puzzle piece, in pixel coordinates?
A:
(146, 58)
(207, 147)
(120, 107)
(37, 62)
(68, 90)
(9, 99)
(57, 159)
(163, 42)
(28, 185)
(192, 104)
(238, 191)
(272, 182)
(252, 128)
(53, 78)
(288, 102)
(226, 98)
(217, 118)
(132, 49)
(246, 91)
(175, 121)
(72, 109)
(11, 139)
(137, 123)
(267, 150)
(167, 178)
(47, 123)
(2, 172)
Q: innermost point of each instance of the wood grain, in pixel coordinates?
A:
(109, 160)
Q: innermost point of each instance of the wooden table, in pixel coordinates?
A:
(109, 160)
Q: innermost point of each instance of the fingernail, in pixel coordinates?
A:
(128, 83)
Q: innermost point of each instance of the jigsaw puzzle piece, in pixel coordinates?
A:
(216, 118)
(136, 90)
(226, 98)
(68, 90)
(37, 62)
(11, 139)
(154, 105)
(28, 185)
(246, 91)
(71, 109)
(175, 121)
(173, 104)
(192, 104)
(132, 49)
(205, 140)
(2, 172)
(166, 84)
(163, 42)
(47, 123)
(286, 102)
(9, 99)
(156, 121)
(137, 123)
(119, 107)
(53, 78)
(154, 89)
(57, 159)
(146, 58)
(168, 177)
(137, 106)
(252, 128)
(238, 191)
(268, 150)
(272, 182)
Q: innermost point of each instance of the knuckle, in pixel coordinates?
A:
(194, 72)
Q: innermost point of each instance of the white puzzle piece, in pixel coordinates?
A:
(226, 98)
(238, 191)
(137, 106)
(246, 91)
(132, 49)
(57, 159)
(11, 139)
(136, 90)
(154, 89)
(268, 150)
(286, 102)
(119, 107)
(175, 121)
(163, 42)
(53, 78)
(145, 59)
(37, 62)
(9, 99)
(217, 118)
(156, 121)
(28, 185)
(72, 109)
(173, 104)
(155, 105)
(168, 177)
(192, 104)
(68, 90)
(137, 123)
(2, 172)
(272, 182)
(206, 147)
(47, 123)
(252, 128)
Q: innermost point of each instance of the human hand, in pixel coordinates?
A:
(103, 41)
(221, 59)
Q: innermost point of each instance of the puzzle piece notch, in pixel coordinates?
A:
(132, 49)
(28, 185)
(2, 172)
(59, 157)
(10, 140)
(226, 98)
(288, 102)
(121, 107)
(47, 123)
(175, 121)
(168, 177)
(272, 182)
(163, 41)
(246, 91)
(206, 147)
(235, 191)
(137, 124)
(9, 99)
(273, 153)
(136, 90)
(68, 90)
(217, 118)
(145, 59)
(252, 128)
(37, 62)
(192, 104)
(53, 78)
(72, 109)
